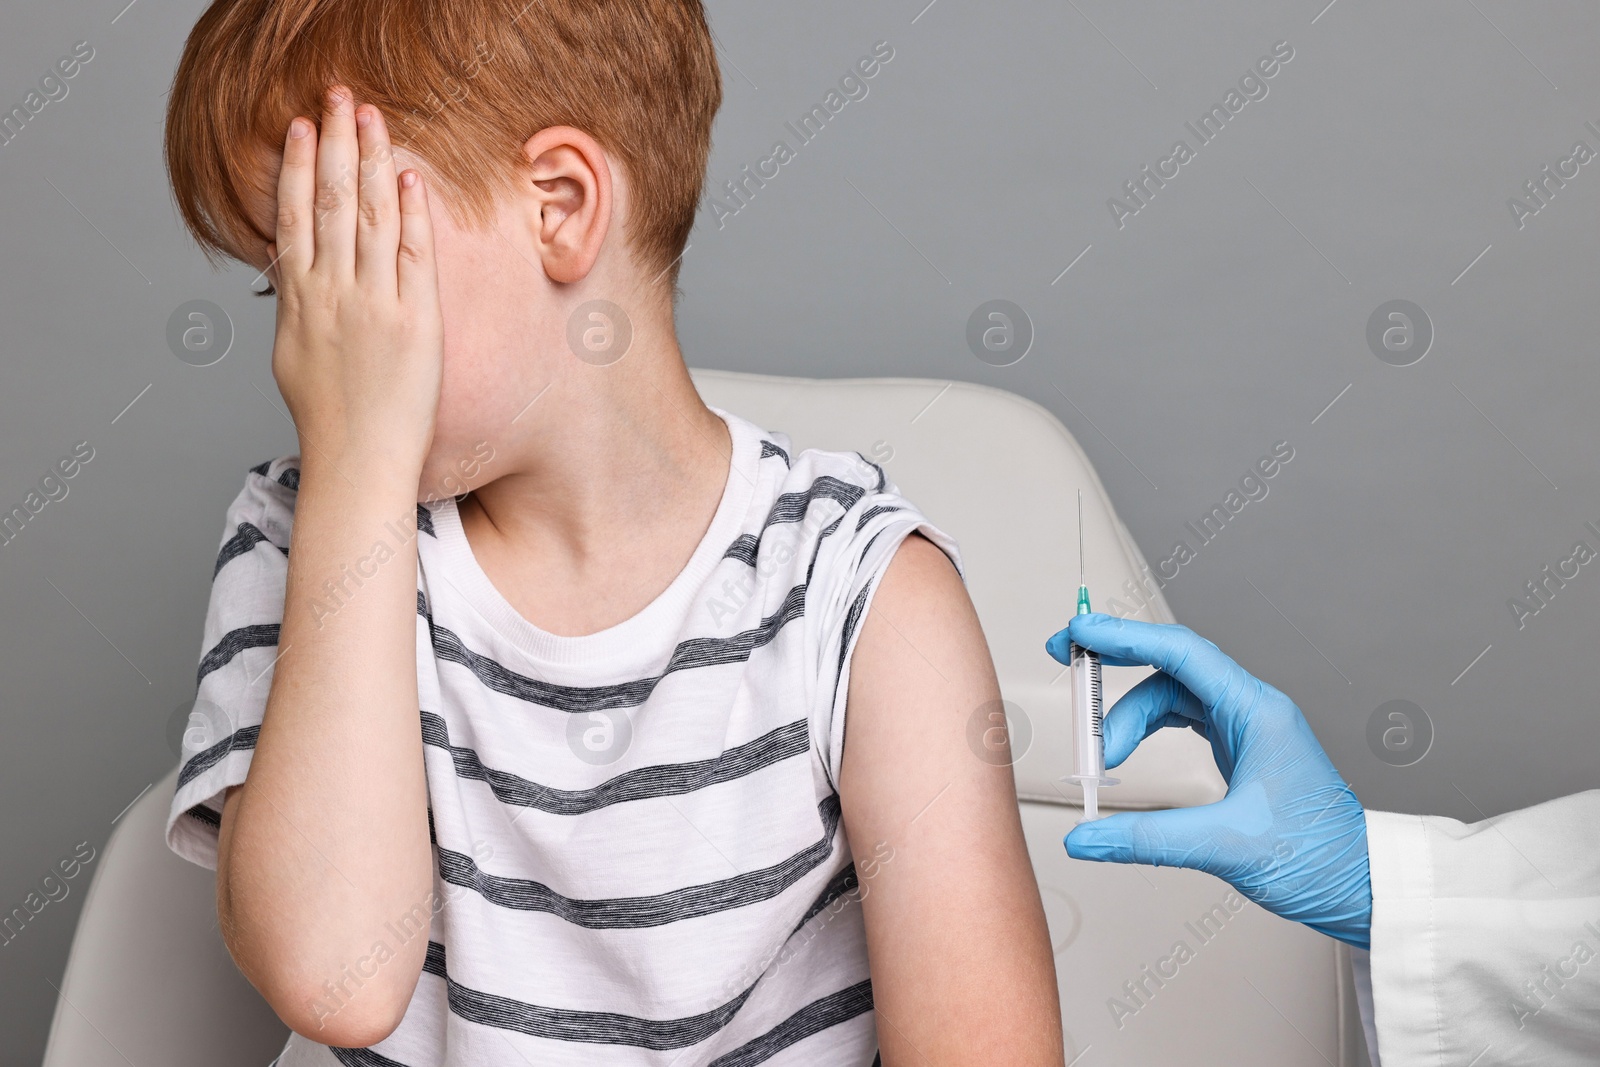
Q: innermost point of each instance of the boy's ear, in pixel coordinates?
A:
(569, 188)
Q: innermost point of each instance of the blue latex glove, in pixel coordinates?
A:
(1290, 835)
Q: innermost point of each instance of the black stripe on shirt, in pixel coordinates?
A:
(768, 448)
(633, 913)
(690, 653)
(361, 1057)
(816, 549)
(568, 1024)
(744, 549)
(814, 1018)
(205, 815)
(883, 479)
(844, 882)
(660, 780)
(241, 740)
(261, 635)
(873, 512)
(852, 619)
(792, 508)
(248, 537)
(425, 521)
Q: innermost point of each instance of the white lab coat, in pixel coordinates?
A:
(1485, 938)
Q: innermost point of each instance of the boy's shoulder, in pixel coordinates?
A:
(847, 476)
(841, 503)
(836, 497)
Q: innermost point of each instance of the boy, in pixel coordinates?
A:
(552, 767)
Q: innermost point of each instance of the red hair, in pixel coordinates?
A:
(462, 84)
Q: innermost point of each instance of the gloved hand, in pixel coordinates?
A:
(1290, 835)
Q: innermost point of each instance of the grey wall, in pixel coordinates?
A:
(1223, 317)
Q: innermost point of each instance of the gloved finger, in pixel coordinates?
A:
(1203, 668)
(1057, 647)
(1181, 837)
(1154, 703)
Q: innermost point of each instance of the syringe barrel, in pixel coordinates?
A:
(1088, 746)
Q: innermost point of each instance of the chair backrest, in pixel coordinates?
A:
(149, 980)
(149, 975)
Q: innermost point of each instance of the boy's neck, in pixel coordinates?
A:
(606, 492)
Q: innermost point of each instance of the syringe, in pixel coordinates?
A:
(1088, 704)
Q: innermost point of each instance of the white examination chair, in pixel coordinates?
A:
(149, 981)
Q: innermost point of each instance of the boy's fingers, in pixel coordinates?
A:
(337, 162)
(1203, 668)
(271, 273)
(297, 183)
(418, 278)
(1154, 704)
(378, 217)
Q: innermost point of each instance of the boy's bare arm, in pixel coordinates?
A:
(327, 838)
(962, 970)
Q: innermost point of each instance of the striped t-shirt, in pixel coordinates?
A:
(637, 841)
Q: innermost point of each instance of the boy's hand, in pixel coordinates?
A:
(360, 340)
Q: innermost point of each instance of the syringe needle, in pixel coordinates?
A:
(1081, 570)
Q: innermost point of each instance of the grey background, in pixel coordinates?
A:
(1224, 317)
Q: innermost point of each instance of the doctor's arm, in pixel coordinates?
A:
(1482, 935)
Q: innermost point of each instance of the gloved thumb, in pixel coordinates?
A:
(1180, 837)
